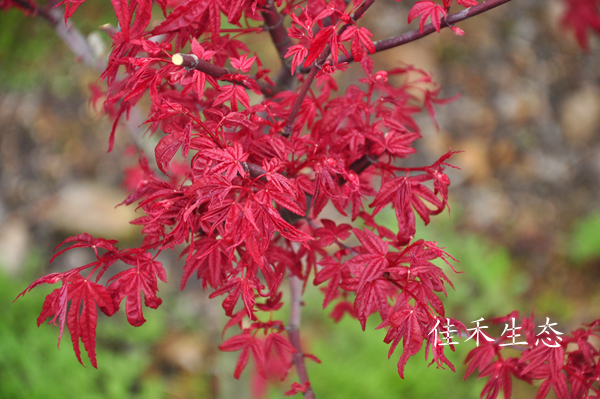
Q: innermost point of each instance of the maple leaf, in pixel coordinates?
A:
(329, 233)
(123, 15)
(318, 43)
(282, 348)
(370, 298)
(230, 160)
(236, 287)
(500, 378)
(247, 343)
(360, 36)
(427, 9)
(207, 261)
(409, 324)
(132, 282)
(168, 146)
(582, 16)
(396, 144)
(182, 16)
(234, 93)
(340, 309)
(243, 63)
(85, 240)
(332, 271)
(480, 357)
(200, 52)
(299, 52)
(81, 316)
(374, 261)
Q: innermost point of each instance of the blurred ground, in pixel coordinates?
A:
(528, 121)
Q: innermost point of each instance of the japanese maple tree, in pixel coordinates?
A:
(248, 159)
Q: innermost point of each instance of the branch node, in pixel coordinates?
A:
(188, 61)
(267, 27)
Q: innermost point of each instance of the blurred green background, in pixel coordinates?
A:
(524, 226)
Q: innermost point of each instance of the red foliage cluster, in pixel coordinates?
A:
(559, 362)
(251, 176)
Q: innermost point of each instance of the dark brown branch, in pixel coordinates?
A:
(293, 330)
(190, 61)
(254, 170)
(289, 125)
(274, 25)
(416, 34)
(287, 130)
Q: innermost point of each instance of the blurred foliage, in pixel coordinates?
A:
(585, 240)
(26, 44)
(32, 54)
(31, 367)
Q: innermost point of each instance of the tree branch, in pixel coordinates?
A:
(82, 50)
(190, 61)
(287, 130)
(416, 34)
(293, 330)
(281, 40)
(274, 25)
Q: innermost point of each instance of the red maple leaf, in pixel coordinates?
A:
(500, 373)
(582, 16)
(333, 271)
(410, 324)
(132, 282)
(299, 52)
(318, 43)
(243, 63)
(426, 9)
(81, 317)
(368, 265)
(228, 160)
(247, 343)
(360, 36)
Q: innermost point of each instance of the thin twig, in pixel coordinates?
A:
(289, 125)
(416, 34)
(293, 330)
(82, 50)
